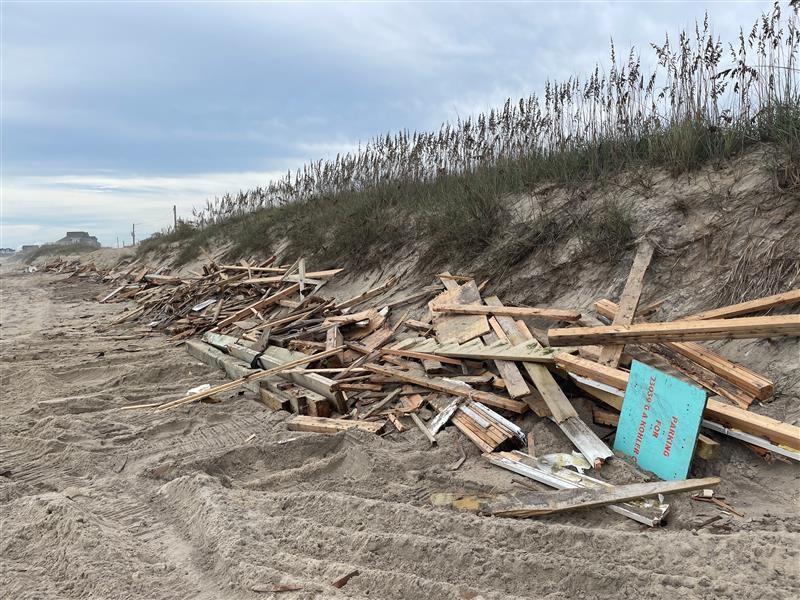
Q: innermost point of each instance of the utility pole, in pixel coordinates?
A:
(133, 234)
(117, 241)
(175, 217)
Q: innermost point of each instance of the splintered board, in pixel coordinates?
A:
(660, 421)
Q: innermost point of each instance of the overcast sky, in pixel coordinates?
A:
(113, 112)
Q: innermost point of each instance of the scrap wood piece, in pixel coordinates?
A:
(514, 383)
(444, 415)
(647, 512)
(702, 376)
(330, 426)
(258, 375)
(760, 426)
(344, 579)
(532, 504)
(258, 305)
(528, 350)
(381, 403)
(555, 314)
(610, 355)
(563, 413)
(310, 277)
(744, 308)
(749, 381)
(679, 331)
(421, 426)
(483, 426)
(458, 328)
(272, 357)
(452, 388)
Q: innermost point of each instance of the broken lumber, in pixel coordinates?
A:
(508, 311)
(525, 351)
(563, 413)
(650, 513)
(610, 355)
(778, 432)
(330, 426)
(679, 331)
(272, 357)
(532, 504)
(449, 387)
(750, 382)
(256, 306)
(256, 376)
(744, 308)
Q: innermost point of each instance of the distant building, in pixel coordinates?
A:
(29, 248)
(78, 237)
(6, 251)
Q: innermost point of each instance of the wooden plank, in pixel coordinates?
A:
(531, 504)
(454, 389)
(610, 355)
(744, 308)
(508, 311)
(375, 408)
(526, 351)
(647, 513)
(679, 331)
(514, 383)
(561, 409)
(309, 277)
(749, 381)
(776, 431)
(257, 376)
(459, 328)
(418, 422)
(272, 357)
(330, 426)
(264, 302)
(556, 401)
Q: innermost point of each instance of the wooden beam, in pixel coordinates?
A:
(679, 331)
(563, 413)
(531, 504)
(308, 277)
(247, 311)
(610, 355)
(258, 375)
(454, 389)
(751, 382)
(330, 426)
(508, 311)
(744, 308)
(776, 431)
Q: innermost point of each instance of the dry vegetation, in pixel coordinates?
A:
(705, 101)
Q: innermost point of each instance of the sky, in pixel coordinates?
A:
(114, 112)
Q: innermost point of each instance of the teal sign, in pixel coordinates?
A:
(660, 421)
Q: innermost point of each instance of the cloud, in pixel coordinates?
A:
(113, 112)
(106, 204)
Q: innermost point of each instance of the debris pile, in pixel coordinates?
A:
(476, 364)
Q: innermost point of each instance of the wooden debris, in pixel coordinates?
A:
(323, 425)
(611, 354)
(449, 387)
(679, 331)
(532, 504)
(507, 311)
(745, 308)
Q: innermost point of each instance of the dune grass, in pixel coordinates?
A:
(705, 102)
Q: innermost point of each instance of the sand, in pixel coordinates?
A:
(103, 503)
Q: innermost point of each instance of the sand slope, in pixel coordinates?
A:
(103, 503)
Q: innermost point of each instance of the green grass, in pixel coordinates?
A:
(445, 192)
